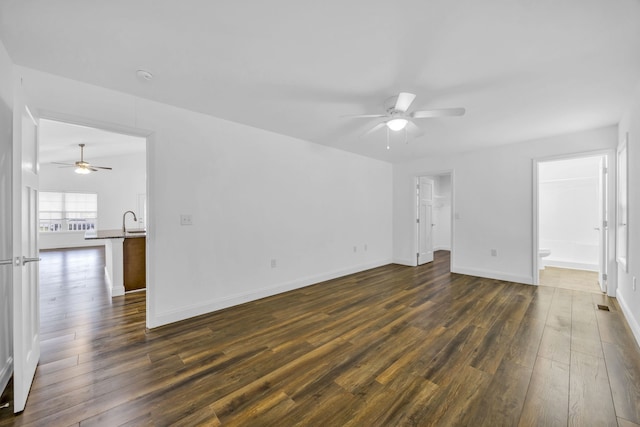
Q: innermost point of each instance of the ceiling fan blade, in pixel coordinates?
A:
(414, 130)
(404, 101)
(63, 164)
(375, 128)
(92, 168)
(441, 112)
(101, 167)
(357, 116)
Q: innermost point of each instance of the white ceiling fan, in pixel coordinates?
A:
(81, 166)
(396, 116)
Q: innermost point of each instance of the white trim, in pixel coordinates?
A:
(150, 226)
(628, 314)
(150, 155)
(404, 261)
(414, 209)
(232, 300)
(490, 274)
(535, 224)
(5, 374)
(622, 261)
(442, 248)
(611, 267)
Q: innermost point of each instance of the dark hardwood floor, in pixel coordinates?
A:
(390, 346)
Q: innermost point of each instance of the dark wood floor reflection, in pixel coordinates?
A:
(390, 346)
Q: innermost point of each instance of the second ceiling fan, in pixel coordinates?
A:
(82, 167)
(396, 116)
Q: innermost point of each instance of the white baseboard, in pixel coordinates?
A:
(628, 314)
(117, 292)
(403, 261)
(5, 373)
(571, 265)
(230, 301)
(488, 274)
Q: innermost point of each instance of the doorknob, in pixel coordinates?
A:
(26, 260)
(596, 228)
(6, 261)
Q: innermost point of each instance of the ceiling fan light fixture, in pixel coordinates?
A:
(397, 124)
(82, 170)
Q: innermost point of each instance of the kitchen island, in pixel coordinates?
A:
(125, 259)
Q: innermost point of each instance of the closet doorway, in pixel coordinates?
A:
(433, 225)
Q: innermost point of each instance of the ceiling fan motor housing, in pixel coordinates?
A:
(390, 105)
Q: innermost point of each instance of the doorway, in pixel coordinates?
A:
(572, 218)
(76, 203)
(433, 224)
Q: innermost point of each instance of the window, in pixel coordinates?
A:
(61, 211)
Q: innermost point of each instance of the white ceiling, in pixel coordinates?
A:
(59, 143)
(522, 68)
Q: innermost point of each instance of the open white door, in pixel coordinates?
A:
(425, 220)
(26, 313)
(603, 225)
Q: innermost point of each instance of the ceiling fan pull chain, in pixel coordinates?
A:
(388, 139)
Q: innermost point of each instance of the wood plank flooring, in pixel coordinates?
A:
(566, 278)
(389, 346)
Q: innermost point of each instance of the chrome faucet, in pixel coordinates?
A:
(124, 215)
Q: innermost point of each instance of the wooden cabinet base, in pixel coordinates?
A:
(134, 260)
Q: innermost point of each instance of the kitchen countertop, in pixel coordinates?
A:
(114, 234)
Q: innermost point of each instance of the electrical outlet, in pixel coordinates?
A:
(274, 263)
(494, 252)
(186, 220)
(355, 249)
(365, 247)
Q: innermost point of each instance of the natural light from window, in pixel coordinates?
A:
(63, 211)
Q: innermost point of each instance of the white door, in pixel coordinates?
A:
(603, 225)
(26, 313)
(425, 220)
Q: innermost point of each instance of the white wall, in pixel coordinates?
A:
(254, 196)
(628, 297)
(569, 211)
(493, 198)
(117, 190)
(6, 125)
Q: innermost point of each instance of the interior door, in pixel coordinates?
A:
(425, 220)
(26, 313)
(603, 225)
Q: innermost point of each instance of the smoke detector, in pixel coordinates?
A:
(144, 75)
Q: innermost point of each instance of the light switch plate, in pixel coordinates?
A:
(186, 220)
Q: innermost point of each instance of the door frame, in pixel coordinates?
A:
(150, 184)
(414, 209)
(612, 282)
